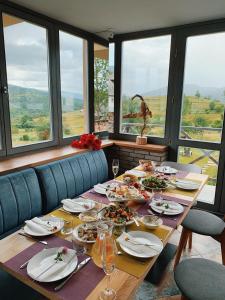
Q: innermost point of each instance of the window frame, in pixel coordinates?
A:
(52, 27)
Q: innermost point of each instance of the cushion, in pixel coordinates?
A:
(11, 288)
(68, 178)
(20, 199)
(200, 279)
(204, 223)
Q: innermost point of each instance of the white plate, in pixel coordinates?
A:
(40, 262)
(75, 233)
(166, 170)
(89, 202)
(100, 188)
(176, 208)
(136, 173)
(187, 185)
(45, 218)
(151, 225)
(143, 237)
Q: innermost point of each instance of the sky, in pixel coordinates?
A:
(27, 58)
(145, 62)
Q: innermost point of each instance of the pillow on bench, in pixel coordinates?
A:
(68, 178)
(20, 199)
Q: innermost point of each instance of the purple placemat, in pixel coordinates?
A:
(181, 174)
(171, 221)
(91, 194)
(78, 287)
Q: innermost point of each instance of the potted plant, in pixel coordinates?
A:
(144, 113)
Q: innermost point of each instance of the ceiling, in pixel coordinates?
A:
(123, 16)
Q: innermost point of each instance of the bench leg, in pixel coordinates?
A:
(222, 241)
(183, 241)
(190, 241)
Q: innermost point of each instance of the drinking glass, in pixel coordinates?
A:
(78, 246)
(115, 167)
(108, 263)
(68, 226)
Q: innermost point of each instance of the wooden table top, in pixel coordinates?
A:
(124, 283)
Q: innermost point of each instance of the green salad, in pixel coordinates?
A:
(154, 183)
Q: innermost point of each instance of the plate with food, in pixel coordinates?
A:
(43, 226)
(123, 193)
(89, 216)
(166, 170)
(118, 214)
(166, 207)
(151, 221)
(86, 233)
(154, 183)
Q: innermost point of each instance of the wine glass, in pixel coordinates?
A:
(115, 167)
(108, 263)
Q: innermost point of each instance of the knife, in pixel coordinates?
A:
(80, 266)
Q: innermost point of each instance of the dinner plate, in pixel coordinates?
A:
(44, 263)
(174, 208)
(79, 208)
(76, 235)
(136, 173)
(187, 185)
(166, 170)
(141, 237)
(44, 232)
(100, 188)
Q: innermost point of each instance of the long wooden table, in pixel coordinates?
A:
(124, 283)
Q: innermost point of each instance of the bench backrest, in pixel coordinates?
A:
(68, 178)
(20, 199)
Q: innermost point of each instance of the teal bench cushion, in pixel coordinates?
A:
(68, 178)
(20, 199)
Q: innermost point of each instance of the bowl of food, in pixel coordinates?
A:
(129, 178)
(89, 216)
(151, 221)
(118, 214)
(146, 165)
(154, 183)
(86, 233)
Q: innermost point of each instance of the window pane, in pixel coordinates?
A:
(145, 70)
(206, 159)
(103, 87)
(204, 88)
(73, 67)
(27, 73)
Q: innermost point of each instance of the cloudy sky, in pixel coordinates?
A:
(145, 61)
(27, 58)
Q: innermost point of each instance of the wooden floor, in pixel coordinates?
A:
(203, 246)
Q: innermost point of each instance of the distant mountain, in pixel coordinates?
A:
(35, 102)
(191, 89)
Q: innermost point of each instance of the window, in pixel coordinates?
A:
(204, 88)
(103, 87)
(26, 51)
(145, 70)
(73, 70)
(208, 161)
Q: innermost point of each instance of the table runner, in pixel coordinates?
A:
(171, 221)
(78, 287)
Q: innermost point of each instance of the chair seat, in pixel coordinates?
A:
(204, 223)
(11, 288)
(200, 279)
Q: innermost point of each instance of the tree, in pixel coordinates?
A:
(200, 122)
(26, 122)
(186, 106)
(101, 73)
(197, 94)
(212, 105)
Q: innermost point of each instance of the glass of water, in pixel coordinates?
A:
(115, 167)
(78, 246)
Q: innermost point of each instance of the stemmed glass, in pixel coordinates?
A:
(115, 167)
(108, 263)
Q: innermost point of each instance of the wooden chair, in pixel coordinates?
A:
(204, 223)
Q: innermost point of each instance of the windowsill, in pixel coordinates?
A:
(45, 156)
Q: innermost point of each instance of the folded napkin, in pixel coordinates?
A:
(128, 241)
(101, 188)
(51, 266)
(136, 173)
(78, 204)
(41, 226)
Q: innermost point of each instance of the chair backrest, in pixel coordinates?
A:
(20, 199)
(68, 178)
(182, 167)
